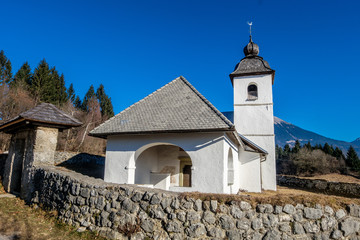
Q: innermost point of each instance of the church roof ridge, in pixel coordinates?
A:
(175, 107)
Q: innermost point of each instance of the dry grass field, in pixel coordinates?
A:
(336, 177)
(20, 221)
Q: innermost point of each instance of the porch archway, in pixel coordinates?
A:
(162, 166)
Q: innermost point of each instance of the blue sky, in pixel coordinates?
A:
(136, 47)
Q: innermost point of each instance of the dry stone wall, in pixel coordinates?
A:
(322, 186)
(141, 213)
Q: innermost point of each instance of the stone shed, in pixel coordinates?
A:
(33, 142)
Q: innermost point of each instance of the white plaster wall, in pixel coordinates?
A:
(251, 120)
(255, 120)
(146, 163)
(229, 146)
(253, 116)
(264, 86)
(249, 171)
(268, 167)
(206, 151)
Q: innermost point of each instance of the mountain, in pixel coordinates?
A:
(287, 133)
(356, 142)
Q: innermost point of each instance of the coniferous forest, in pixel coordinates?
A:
(27, 88)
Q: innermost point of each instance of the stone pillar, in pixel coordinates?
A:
(45, 145)
(20, 149)
(28, 148)
(40, 152)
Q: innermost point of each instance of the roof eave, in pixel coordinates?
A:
(252, 145)
(104, 135)
(16, 123)
(235, 74)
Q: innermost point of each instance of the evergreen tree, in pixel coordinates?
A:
(47, 85)
(77, 103)
(296, 147)
(338, 153)
(41, 83)
(308, 145)
(279, 153)
(105, 102)
(60, 90)
(23, 77)
(71, 93)
(287, 150)
(352, 159)
(328, 149)
(5, 69)
(89, 94)
(317, 146)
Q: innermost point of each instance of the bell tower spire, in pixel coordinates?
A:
(252, 80)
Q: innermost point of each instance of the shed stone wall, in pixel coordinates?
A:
(28, 147)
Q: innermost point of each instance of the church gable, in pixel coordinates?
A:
(176, 107)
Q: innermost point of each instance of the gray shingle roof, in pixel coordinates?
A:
(47, 112)
(251, 65)
(44, 113)
(176, 107)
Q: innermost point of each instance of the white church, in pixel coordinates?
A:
(176, 140)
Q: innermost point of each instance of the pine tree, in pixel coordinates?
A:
(23, 77)
(89, 94)
(41, 83)
(328, 149)
(287, 150)
(338, 153)
(308, 145)
(77, 103)
(71, 93)
(105, 102)
(5, 69)
(279, 153)
(61, 93)
(352, 159)
(296, 147)
(47, 85)
(317, 146)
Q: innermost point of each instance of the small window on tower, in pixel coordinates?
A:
(252, 92)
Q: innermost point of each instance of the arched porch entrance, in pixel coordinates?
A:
(163, 166)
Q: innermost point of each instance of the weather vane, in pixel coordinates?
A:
(250, 24)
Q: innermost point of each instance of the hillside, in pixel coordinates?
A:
(287, 133)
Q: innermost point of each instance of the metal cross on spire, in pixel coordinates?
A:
(250, 24)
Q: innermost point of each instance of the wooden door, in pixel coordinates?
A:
(187, 176)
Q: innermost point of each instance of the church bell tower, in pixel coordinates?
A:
(252, 80)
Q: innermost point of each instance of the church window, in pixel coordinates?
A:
(252, 92)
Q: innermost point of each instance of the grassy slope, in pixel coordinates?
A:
(25, 222)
